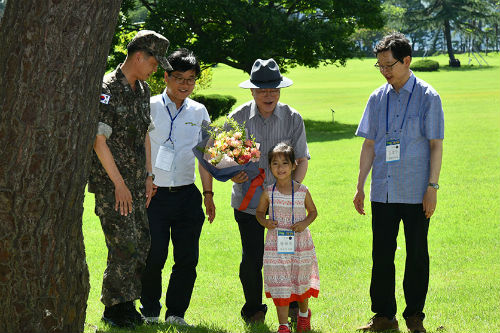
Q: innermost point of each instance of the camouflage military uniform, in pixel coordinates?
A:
(124, 118)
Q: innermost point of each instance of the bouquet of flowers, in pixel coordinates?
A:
(225, 152)
(231, 148)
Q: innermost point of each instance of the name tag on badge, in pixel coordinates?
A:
(165, 158)
(286, 241)
(392, 150)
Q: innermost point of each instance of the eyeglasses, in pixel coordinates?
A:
(181, 80)
(264, 92)
(388, 68)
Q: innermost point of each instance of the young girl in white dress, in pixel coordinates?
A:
(290, 264)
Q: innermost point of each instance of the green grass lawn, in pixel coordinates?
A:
(464, 236)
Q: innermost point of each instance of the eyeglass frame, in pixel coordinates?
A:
(267, 91)
(181, 80)
(388, 67)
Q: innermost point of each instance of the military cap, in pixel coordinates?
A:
(153, 43)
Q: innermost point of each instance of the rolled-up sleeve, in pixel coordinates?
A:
(106, 113)
(104, 129)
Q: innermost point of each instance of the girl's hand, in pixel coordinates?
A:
(270, 224)
(300, 226)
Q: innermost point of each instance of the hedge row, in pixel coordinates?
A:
(217, 105)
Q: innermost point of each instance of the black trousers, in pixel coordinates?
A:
(177, 215)
(252, 243)
(385, 227)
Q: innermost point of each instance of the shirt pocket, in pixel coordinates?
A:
(286, 139)
(186, 134)
(413, 126)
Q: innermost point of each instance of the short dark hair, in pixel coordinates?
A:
(183, 60)
(397, 43)
(132, 48)
(283, 149)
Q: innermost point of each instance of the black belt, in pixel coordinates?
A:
(174, 188)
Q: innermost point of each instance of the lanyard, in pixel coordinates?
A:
(171, 119)
(272, 201)
(406, 109)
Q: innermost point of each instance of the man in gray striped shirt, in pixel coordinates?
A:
(270, 122)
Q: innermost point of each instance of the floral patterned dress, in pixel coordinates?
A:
(289, 277)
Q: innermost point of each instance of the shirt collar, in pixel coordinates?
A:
(139, 85)
(168, 101)
(278, 112)
(408, 85)
(121, 77)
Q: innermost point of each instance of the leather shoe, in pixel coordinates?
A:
(415, 324)
(380, 324)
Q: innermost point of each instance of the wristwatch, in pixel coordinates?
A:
(152, 175)
(435, 185)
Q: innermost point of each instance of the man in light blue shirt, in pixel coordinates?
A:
(403, 127)
(175, 210)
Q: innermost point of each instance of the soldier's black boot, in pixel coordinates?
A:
(133, 315)
(117, 316)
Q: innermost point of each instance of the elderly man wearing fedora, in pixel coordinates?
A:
(270, 122)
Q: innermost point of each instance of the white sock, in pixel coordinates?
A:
(285, 325)
(304, 314)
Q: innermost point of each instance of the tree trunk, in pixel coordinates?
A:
(449, 45)
(496, 37)
(53, 57)
(479, 32)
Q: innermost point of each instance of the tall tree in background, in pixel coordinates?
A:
(53, 59)
(236, 32)
(447, 15)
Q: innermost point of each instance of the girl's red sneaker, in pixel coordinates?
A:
(304, 323)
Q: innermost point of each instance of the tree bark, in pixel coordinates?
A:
(53, 57)
(496, 36)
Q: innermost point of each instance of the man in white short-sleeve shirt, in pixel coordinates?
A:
(175, 210)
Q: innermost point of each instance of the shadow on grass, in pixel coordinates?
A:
(319, 131)
(165, 328)
(465, 68)
(264, 328)
(258, 328)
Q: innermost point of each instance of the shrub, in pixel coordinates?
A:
(425, 65)
(217, 105)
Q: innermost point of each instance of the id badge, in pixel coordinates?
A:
(286, 241)
(392, 151)
(165, 158)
